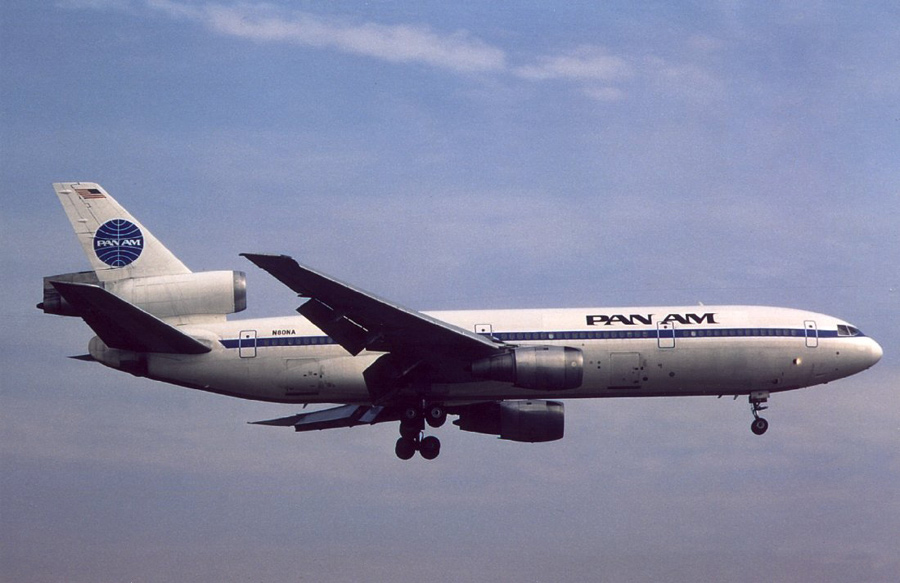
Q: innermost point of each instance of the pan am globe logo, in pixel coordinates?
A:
(118, 242)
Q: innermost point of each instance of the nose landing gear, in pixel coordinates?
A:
(757, 404)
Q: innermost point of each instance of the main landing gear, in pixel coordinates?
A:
(757, 404)
(412, 427)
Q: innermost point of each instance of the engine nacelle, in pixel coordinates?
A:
(527, 421)
(164, 296)
(545, 368)
(53, 302)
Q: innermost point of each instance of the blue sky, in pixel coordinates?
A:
(457, 155)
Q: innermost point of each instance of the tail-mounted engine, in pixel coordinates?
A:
(164, 296)
(545, 368)
(528, 421)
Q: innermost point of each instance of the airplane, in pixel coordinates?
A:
(499, 372)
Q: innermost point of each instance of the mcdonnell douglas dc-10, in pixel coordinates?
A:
(500, 372)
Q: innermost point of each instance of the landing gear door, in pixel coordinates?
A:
(812, 334)
(665, 334)
(247, 344)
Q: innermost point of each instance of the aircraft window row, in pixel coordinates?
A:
(299, 341)
(746, 332)
(574, 335)
(518, 336)
(515, 336)
(843, 330)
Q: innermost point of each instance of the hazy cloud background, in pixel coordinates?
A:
(455, 156)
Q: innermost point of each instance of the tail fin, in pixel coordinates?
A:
(117, 245)
(132, 265)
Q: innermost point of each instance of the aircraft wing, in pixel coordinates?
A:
(358, 320)
(123, 325)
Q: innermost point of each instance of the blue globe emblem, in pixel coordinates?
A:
(118, 242)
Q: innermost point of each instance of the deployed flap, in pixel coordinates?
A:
(344, 416)
(357, 319)
(124, 326)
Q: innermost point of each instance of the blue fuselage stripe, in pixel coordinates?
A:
(619, 334)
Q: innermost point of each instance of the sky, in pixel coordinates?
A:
(451, 156)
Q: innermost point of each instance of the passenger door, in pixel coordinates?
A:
(812, 334)
(247, 344)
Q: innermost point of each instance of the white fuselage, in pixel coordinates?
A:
(628, 352)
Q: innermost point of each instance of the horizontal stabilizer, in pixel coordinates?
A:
(344, 416)
(124, 326)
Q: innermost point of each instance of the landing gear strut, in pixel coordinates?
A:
(757, 404)
(412, 426)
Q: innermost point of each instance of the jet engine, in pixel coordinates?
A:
(164, 296)
(527, 421)
(545, 368)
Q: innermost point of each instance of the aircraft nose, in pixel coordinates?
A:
(875, 352)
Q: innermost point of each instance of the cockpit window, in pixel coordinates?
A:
(844, 330)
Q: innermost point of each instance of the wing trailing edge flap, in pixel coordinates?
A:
(343, 416)
(359, 320)
(125, 326)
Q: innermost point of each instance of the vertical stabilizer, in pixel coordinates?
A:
(117, 245)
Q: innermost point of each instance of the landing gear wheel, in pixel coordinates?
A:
(412, 414)
(435, 415)
(405, 448)
(758, 403)
(430, 447)
(759, 426)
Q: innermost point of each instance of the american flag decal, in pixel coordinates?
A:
(89, 193)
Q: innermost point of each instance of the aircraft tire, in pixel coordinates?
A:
(759, 426)
(430, 447)
(405, 448)
(435, 415)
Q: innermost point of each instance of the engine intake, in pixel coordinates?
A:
(525, 421)
(544, 368)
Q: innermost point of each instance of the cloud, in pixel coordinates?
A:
(585, 63)
(598, 72)
(687, 80)
(458, 51)
(605, 93)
